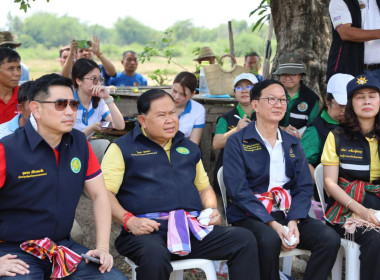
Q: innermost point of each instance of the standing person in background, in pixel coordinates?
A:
(96, 104)
(252, 62)
(234, 120)
(129, 77)
(64, 53)
(205, 54)
(10, 73)
(303, 105)
(355, 41)
(107, 69)
(191, 114)
(7, 41)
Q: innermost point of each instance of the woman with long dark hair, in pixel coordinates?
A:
(351, 169)
(96, 103)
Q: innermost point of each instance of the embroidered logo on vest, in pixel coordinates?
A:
(183, 150)
(291, 154)
(302, 107)
(75, 165)
(252, 147)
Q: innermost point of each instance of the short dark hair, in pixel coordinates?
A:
(61, 50)
(8, 55)
(40, 87)
(251, 54)
(130, 51)
(186, 79)
(23, 94)
(145, 99)
(258, 88)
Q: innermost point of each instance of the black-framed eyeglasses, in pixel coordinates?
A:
(247, 88)
(95, 80)
(61, 104)
(273, 101)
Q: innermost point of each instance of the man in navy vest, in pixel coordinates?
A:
(43, 168)
(154, 170)
(270, 188)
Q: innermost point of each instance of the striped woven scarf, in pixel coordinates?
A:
(65, 261)
(338, 213)
(179, 223)
(276, 196)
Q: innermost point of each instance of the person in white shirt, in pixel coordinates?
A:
(356, 38)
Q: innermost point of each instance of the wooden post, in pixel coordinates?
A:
(231, 37)
(268, 51)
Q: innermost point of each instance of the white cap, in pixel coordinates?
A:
(337, 86)
(246, 76)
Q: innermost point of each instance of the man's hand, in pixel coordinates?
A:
(293, 229)
(293, 131)
(10, 265)
(140, 226)
(95, 46)
(106, 259)
(215, 218)
(277, 227)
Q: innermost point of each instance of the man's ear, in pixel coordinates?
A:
(35, 109)
(255, 104)
(19, 108)
(142, 121)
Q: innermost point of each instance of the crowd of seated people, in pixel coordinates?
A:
(152, 179)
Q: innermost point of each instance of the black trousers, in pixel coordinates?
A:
(149, 252)
(369, 243)
(315, 236)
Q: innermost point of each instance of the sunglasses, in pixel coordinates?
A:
(247, 88)
(61, 104)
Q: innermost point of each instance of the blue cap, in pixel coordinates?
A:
(362, 81)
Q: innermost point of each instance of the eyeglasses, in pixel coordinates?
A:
(240, 88)
(273, 101)
(61, 104)
(95, 80)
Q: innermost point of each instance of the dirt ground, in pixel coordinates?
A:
(84, 216)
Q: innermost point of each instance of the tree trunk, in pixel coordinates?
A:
(303, 26)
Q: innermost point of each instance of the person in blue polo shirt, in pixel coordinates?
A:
(270, 188)
(44, 166)
(153, 174)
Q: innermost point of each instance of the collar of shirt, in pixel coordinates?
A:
(13, 123)
(242, 113)
(327, 118)
(187, 109)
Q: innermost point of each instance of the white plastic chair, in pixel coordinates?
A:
(348, 248)
(178, 266)
(288, 256)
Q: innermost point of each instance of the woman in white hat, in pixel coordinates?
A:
(234, 120)
(315, 135)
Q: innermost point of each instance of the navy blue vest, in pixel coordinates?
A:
(151, 182)
(308, 97)
(354, 156)
(39, 198)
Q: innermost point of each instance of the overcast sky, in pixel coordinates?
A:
(153, 13)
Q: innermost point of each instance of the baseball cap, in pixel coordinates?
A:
(6, 38)
(362, 81)
(245, 76)
(290, 63)
(337, 86)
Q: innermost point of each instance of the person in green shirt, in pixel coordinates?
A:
(332, 114)
(234, 120)
(303, 105)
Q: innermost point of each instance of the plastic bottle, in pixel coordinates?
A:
(203, 89)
